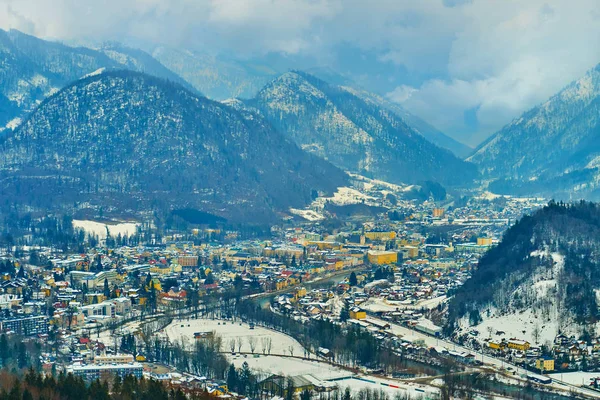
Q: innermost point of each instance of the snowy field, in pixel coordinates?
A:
(289, 366)
(377, 304)
(519, 326)
(576, 378)
(413, 390)
(280, 343)
(99, 228)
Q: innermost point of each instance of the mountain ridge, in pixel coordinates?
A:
(127, 140)
(354, 134)
(554, 146)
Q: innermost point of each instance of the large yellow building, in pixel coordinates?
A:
(380, 235)
(382, 257)
(516, 344)
(484, 241)
(545, 364)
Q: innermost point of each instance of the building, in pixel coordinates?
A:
(122, 305)
(517, 344)
(357, 313)
(428, 327)
(496, 345)
(278, 385)
(382, 257)
(106, 308)
(26, 325)
(187, 261)
(114, 358)
(438, 212)
(381, 235)
(484, 241)
(91, 372)
(545, 364)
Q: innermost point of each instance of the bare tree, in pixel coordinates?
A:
(536, 333)
(232, 345)
(252, 343)
(269, 344)
(264, 342)
(240, 342)
(291, 350)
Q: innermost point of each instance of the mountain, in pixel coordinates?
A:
(355, 134)
(428, 131)
(552, 149)
(140, 61)
(544, 274)
(127, 141)
(31, 69)
(218, 77)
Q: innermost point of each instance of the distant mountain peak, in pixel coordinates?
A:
(552, 145)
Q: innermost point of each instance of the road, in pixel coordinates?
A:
(498, 364)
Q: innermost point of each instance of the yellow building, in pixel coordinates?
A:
(409, 251)
(438, 212)
(357, 313)
(545, 364)
(484, 241)
(496, 345)
(382, 257)
(325, 245)
(161, 269)
(516, 344)
(381, 235)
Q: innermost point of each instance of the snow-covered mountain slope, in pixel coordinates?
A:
(354, 134)
(553, 148)
(32, 69)
(542, 278)
(428, 131)
(129, 141)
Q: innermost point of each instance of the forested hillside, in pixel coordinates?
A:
(128, 141)
(547, 264)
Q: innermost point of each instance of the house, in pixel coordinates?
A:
(357, 313)
(278, 385)
(545, 364)
(516, 344)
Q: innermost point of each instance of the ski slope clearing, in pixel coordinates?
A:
(100, 228)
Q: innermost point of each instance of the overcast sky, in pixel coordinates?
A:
(468, 67)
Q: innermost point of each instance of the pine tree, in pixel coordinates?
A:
(353, 281)
(106, 289)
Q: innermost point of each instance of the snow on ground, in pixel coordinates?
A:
(413, 390)
(576, 378)
(99, 228)
(369, 183)
(378, 304)
(308, 215)
(346, 195)
(228, 331)
(289, 366)
(520, 326)
(96, 72)
(13, 123)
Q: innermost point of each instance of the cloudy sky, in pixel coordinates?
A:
(466, 66)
